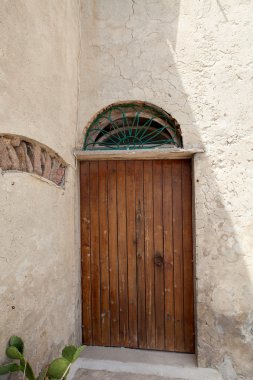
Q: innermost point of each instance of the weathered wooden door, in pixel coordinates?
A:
(137, 261)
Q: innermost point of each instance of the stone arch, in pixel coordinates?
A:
(23, 154)
(132, 125)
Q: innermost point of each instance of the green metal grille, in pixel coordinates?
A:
(132, 126)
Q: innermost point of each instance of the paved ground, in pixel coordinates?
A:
(84, 374)
(127, 355)
(129, 364)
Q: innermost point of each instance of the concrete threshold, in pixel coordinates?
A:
(124, 363)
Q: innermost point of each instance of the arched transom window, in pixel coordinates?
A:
(132, 125)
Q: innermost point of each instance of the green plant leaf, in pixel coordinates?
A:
(58, 367)
(68, 352)
(7, 368)
(71, 353)
(78, 352)
(13, 353)
(17, 342)
(27, 369)
(43, 373)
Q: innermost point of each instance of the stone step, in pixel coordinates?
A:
(129, 364)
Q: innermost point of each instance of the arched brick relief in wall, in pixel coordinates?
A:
(26, 155)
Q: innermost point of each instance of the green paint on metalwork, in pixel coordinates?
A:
(132, 126)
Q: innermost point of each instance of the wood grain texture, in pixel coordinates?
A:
(137, 254)
(122, 252)
(140, 247)
(85, 252)
(178, 255)
(113, 252)
(103, 247)
(158, 254)
(131, 256)
(149, 254)
(168, 257)
(95, 255)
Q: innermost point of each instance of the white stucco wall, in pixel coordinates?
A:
(194, 59)
(39, 284)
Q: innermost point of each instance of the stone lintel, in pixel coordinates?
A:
(140, 154)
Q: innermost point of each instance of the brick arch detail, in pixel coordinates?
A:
(26, 155)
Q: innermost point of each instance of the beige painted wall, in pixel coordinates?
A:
(194, 59)
(39, 285)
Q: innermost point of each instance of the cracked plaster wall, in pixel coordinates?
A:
(39, 283)
(194, 59)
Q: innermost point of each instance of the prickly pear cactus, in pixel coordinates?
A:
(57, 369)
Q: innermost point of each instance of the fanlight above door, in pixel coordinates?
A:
(132, 125)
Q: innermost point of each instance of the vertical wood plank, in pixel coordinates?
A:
(103, 246)
(168, 257)
(178, 255)
(95, 259)
(136, 246)
(158, 254)
(122, 252)
(113, 252)
(140, 247)
(149, 254)
(85, 252)
(131, 254)
(188, 256)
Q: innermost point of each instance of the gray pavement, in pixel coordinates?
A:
(130, 364)
(85, 374)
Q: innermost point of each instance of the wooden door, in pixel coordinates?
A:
(137, 260)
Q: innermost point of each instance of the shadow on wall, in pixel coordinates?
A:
(129, 52)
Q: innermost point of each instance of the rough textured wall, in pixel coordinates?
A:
(39, 283)
(194, 59)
